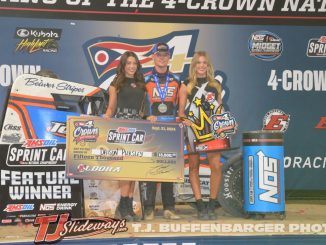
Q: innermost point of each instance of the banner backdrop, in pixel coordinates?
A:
(33, 181)
(261, 67)
(186, 10)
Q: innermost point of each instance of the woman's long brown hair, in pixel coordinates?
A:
(119, 80)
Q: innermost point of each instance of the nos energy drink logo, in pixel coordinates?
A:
(103, 54)
(268, 178)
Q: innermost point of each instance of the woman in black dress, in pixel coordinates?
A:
(127, 95)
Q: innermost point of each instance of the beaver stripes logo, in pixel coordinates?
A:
(103, 53)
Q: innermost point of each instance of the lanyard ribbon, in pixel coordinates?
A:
(161, 92)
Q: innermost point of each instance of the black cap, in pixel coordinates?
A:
(161, 47)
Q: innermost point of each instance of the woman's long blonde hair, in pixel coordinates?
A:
(210, 73)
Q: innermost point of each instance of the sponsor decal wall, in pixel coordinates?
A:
(33, 182)
(262, 68)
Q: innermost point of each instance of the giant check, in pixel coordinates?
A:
(115, 149)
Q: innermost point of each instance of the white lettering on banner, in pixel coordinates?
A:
(51, 2)
(48, 1)
(48, 206)
(37, 185)
(66, 206)
(40, 192)
(239, 5)
(190, 5)
(9, 73)
(305, 162)
(249, 5)
(314, 228)
(224, 6)
(226, 184)
(168, 227)
(39, 178)
(268, 177)
(20, 156)
(111, 3)
(297, 80)
(307, 6)
(208, 228)
(251, 184)
(316, 48)
(267, 47)
(78, 2)
(134, 4)
(300, 6)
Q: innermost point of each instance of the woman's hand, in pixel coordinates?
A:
(186, 121)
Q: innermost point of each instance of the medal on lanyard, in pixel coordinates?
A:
(162, 108)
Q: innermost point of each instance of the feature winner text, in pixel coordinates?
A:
(37, 185)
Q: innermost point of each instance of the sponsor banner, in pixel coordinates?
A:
(33, 181)
(124, 150)
(251, 87)
(298, 80)
(53, 228)
(244, 228)
(103, 54)
(51, 231)
(263, 173)
(317, 47)
(9, 72)
(37, 153)
(276, 120)
(32, 40)
(265, 45)
(305, 162)
(213, 240)
(179, 10)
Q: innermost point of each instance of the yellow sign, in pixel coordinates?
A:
(114, 149)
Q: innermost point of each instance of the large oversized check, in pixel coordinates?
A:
(114, 149)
